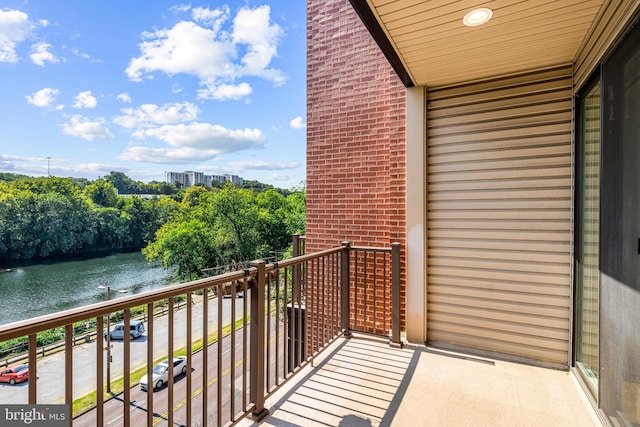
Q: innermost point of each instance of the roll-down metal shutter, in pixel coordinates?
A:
(499, 194)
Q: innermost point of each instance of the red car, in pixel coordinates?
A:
(15, 374)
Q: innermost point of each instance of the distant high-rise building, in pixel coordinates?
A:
(190, 178)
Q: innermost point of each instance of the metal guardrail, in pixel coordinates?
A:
(291, 310)
(78, 338)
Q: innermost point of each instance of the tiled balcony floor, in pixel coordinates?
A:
(363, 382)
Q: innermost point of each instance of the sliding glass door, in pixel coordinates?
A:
(588, 237)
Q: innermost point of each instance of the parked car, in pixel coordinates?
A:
(136, 329)
(161, 373)
(14, 374)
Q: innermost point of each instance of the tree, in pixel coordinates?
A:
(187, 246)
(101, 193)
(122, 183)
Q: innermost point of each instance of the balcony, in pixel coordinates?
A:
(313, 340)
(361, 381)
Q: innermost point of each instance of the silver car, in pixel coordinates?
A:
(136, 329)
(161, 373)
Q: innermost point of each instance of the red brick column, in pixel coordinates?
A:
(355, 135)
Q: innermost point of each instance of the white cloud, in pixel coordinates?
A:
(43, 98)
(85, 128)
(40, 54)
(252, 27)
(217, 57)
(150, 115)
(281, 176)
(205, 136)
(212, 19)
(225, 91)
(55, 166)
(22, 164)
(298, 123)
(195, 142)
(15, 27)
(83, 55)
(185, 48)
(124, 97)
(85, 100)
(262, 165)
(166, 155)
(9, 157)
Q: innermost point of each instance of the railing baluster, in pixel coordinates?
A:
(375, 297)
(33, 368)
(245, 345)
(127, 369)
(344, 288)
(149, 364)
(189, 354)
(356, 269)
(277, 321)
(395, 295)
(68, 366)
(99, 371)
(233, 354)
(286, 326)
(300, 316)
(170, 335)
(321, 338)
(385, 290)
(268, 333)
(219, 291)
(205, 356)
(312, 296)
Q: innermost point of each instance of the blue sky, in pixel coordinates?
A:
(148, 86)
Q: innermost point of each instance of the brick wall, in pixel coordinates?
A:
(355, 134)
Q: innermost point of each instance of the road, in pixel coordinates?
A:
(51, 372)
(114, 408)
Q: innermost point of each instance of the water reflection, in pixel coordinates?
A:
(35, 290)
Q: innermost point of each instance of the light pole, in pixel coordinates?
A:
(108, 348)
(48, 166)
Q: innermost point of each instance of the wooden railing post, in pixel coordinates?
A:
(256, 328)
(344, 289)
(395, 296)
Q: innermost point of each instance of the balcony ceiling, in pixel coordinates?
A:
(436, 49)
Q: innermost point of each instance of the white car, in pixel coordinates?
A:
(161, 372)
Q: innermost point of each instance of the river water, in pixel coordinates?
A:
(36, 290)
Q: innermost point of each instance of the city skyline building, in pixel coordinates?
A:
(190, 178)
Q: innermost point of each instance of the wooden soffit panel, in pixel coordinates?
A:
(432, 47)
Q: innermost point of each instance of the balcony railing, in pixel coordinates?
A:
(243, 334)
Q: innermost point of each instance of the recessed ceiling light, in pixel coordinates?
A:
(477, 17)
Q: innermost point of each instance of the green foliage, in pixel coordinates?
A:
(51, 216)
(126, 185)
(10, 177)
(102, 193)
(190, 229)
(187, 246)
(122, 183)
(228, 226)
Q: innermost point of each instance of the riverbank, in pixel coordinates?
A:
(8, 265)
